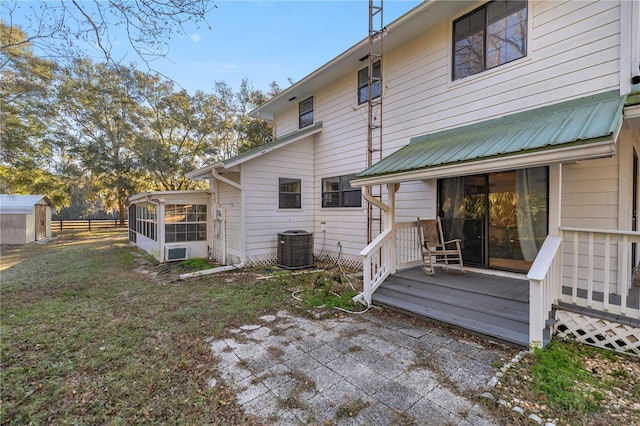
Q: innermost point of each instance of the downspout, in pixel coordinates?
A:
(242, 263)
(373, 200)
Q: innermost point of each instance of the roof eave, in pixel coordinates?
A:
(204, 172)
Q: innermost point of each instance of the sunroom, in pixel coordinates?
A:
(170, 225)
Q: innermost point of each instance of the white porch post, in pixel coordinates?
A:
(555, 198)
(391, 223)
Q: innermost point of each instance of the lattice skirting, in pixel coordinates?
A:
(349, 261)
(597, 332)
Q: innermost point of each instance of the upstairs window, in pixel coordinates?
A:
(289, 193)
(305, 116)
(363, 83)
(491, 35)
(337, 192)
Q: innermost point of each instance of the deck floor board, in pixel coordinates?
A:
(494, 305)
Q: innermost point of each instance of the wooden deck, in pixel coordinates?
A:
(491, 305)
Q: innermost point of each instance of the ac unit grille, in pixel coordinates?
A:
(295, 249)
(176, 253)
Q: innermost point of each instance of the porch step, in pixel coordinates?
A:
(505, 319)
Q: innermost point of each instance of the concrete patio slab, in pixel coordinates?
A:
(357, 370)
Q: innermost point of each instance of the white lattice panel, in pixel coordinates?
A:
(262, 260)
(597, 332)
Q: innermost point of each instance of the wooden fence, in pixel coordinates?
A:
(88, 224)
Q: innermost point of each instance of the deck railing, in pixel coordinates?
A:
(590, 268)
(377, 264)
(392, 249)
(598, 271)
(545, 281)
(407, 246)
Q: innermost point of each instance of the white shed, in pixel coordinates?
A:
(24, 218)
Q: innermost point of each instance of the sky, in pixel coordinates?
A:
(267, 41)
(262, 40)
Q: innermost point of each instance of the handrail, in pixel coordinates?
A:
(600, 231)
(545, 257)
(377, 265)
(545, 282)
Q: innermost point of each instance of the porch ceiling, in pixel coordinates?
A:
(568, 131)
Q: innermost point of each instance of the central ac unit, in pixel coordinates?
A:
(176, 253)
(295, 249)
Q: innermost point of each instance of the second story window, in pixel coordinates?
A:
(305, 116)
(492, 35)
(363, 83)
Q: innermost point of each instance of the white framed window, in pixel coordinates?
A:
(305, 113)
(489, 36)
(337, 192)
(185, 222)
(289, 193)
(146, 220)
(363, 83)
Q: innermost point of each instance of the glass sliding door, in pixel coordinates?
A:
(501, 218)
(463, 209)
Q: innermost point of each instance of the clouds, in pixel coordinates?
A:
(196, 37)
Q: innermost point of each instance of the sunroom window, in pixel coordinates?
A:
(185, 222)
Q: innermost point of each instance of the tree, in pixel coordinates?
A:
(64, 29)
(26, 112)
(179, 132)
(100, 121)
(253, 132)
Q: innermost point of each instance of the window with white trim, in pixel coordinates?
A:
(363, 83)
(185, 222)
(305, 113)
(289, 193)
(492, 35)
(146, 220)
(337, 192)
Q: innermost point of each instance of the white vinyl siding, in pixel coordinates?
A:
(230, 234)
(590, 194)
(264, 219)
(573, 50)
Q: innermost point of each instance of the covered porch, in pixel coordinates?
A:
(567, 269)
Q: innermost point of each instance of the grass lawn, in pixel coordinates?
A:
(92, 332)
(87, 339)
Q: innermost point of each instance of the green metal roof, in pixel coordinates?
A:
(577, 122)
(281, 141)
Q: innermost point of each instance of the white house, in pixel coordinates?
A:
(24, 218)
(516, 122)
